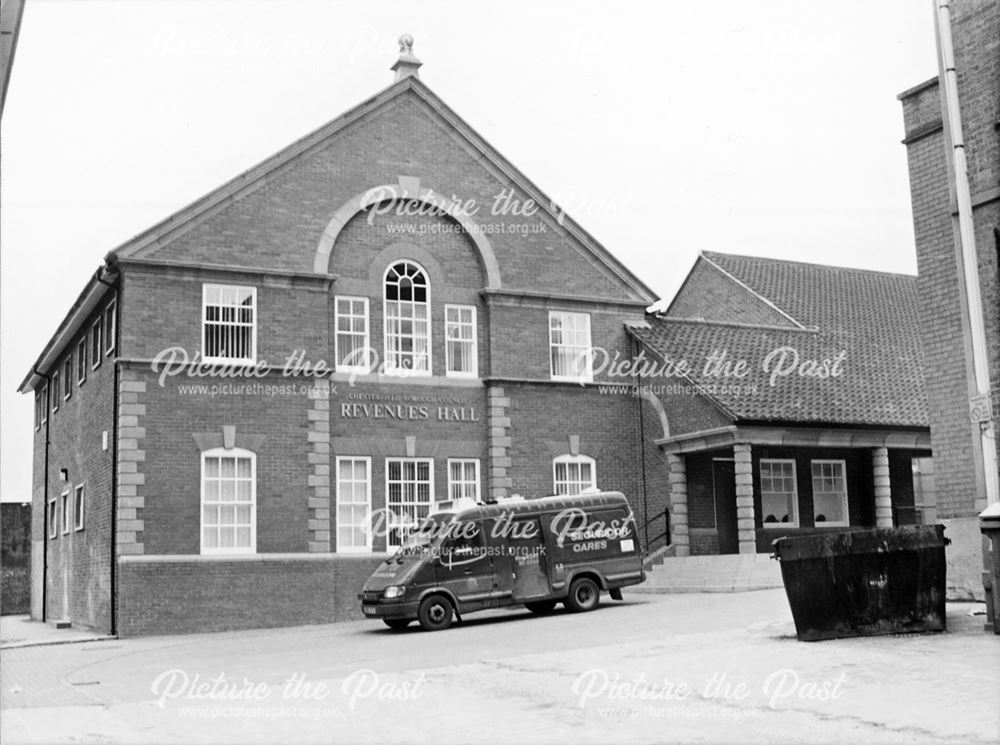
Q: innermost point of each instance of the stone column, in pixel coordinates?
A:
(743, 467)
(883, 490)
(679, 536)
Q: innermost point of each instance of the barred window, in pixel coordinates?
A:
(407, 318)
(228, 501)
(409, 486)
(229, 323)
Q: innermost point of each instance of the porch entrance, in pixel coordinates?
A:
(724, 478)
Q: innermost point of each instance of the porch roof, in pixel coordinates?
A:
(793, 436)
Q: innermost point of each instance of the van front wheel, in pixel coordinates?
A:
(584, 595)
(435, 613)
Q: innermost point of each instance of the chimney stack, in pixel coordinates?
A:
(407, 64)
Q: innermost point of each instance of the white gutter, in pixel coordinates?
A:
(967, 237)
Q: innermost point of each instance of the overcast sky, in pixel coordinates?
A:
(664, 128)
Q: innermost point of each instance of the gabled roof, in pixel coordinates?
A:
(870, 316)
(252, 178)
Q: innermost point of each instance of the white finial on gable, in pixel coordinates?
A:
(407, 64)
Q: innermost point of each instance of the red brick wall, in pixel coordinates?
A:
(183, 597)
(976, 32)
(656, 486)
(860, 488)
(164, 310)
(78, 576)
(280, 223)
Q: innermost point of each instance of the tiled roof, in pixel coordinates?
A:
(869, 316)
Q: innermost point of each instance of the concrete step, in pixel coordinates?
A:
(725, 573)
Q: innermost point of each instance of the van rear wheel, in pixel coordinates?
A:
(584, 595)
(541, 607)
(396, 623)
(435, 613)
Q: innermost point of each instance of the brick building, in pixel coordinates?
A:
(940, 146)
(386, 314)
(808, 412)
(194, 470)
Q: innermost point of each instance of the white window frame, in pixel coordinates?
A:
(56, 393)
(53, 518)
(568, 460)
(463, 481)
(79, 494)
(110, 328)
(587, 374)
(40, 407)
(230, 453)
(366, 526)
(474, 341)
(431, 500)
(793, 521)
(96, 343)
(81, 360)
(211, 286)
(68, 377)
(65, 511)
(365, 365)
(387, 362)
(843, 495)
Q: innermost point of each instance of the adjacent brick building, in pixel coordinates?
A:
(953, 394)
(802, 408)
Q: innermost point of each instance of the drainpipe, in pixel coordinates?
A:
(970, 266)
(642, 446)
(114, 451)
(45, 494)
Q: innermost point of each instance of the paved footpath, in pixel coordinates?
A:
(674, 668)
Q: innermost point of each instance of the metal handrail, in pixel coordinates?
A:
(665, 515)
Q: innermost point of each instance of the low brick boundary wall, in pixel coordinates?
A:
(193, 594)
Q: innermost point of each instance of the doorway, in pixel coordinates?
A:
(724, 481)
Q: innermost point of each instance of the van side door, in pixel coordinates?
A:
(527, 558)
(464, 566)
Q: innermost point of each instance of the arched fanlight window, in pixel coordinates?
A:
(407, 318)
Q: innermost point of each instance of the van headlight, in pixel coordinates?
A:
(393, 591)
